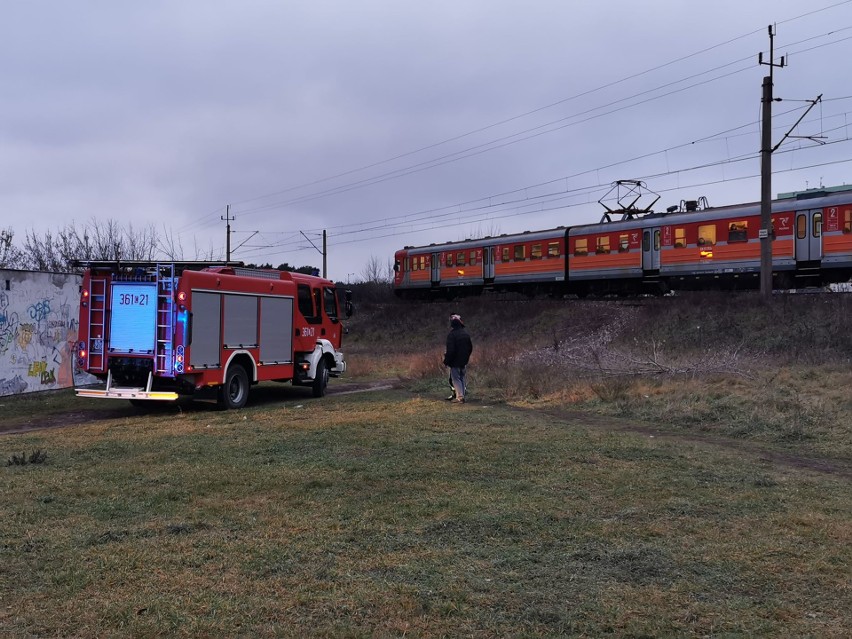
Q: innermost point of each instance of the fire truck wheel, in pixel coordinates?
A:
(234, 392)
(320, 379)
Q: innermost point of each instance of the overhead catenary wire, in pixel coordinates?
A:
(521, 135)
(599, 188)
(302, 200)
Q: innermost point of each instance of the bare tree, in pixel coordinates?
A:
(10, 256)
(170, 246)
(41, 252)
(209, 254)
(375, 271)
(139, 244)
(106, 238)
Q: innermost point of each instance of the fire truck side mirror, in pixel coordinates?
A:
(348, 307)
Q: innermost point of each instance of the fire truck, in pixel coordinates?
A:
(155, 331)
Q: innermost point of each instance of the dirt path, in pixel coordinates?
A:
(120, 409)
(763, 452)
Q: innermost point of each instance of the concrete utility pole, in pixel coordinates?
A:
(323, 252)
(766, 150)
(228, 219)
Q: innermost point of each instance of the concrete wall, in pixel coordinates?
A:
(38, 331)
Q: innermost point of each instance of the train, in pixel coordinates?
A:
(690, 246)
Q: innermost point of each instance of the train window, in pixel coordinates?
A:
(535, 252)
(817, 224)
(505, 253)
(801, 227)
(680, 238)
(407, 265)
(623, 243)
(449, 259)
(581, 247)
(707, 234)
(520, 252)
(738, 231)
(553, 247)
(460, 259)
(602, 244)
(646, 241)
(472, 261)
(847, 221)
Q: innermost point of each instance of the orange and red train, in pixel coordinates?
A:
(688, 247)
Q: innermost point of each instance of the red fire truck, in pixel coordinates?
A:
(159, 331)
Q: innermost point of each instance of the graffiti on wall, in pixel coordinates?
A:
(38, 331)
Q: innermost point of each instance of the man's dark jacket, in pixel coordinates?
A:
(459, 348)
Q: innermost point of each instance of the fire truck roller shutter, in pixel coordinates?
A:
(240, 321)
(276, 330)
(206, 328)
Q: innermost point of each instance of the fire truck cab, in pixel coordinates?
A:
(157, 331)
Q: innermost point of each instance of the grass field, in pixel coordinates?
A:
(601, 505)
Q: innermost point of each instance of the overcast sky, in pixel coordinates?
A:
(393, 123)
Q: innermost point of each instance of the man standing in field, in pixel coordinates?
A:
(457, 355)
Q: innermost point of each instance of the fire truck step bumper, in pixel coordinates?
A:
(126, 392)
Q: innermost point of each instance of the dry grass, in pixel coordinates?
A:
(397, 514)
(383, 514)
(729, 365)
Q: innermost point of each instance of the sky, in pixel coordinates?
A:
(389, 123)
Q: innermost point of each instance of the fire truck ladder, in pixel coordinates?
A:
(163, 361)
(97, 319)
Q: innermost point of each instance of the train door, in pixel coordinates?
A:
(436, 268)
(651, 250)
(488, 263)
(809, 236)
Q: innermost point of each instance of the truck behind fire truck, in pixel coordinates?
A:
(159, 331)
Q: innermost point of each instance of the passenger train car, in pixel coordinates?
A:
(691, 246)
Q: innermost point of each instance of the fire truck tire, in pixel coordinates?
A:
(234, 392)
(320, 379)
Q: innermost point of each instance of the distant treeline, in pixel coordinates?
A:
(57, 251)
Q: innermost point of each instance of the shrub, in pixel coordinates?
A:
(36, 457)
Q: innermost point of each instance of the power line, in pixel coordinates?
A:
(493, 145)
(600, 188)
(513, 138)
(536, 110)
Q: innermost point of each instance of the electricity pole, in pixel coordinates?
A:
(323, 252)
(228, 219)
(766, 150)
